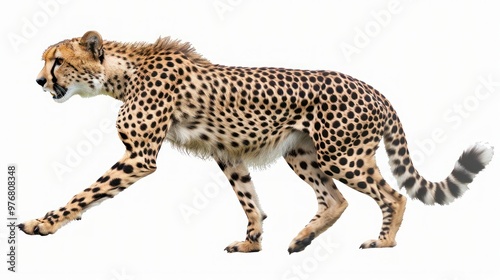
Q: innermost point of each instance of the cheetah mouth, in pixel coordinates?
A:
(59, 93)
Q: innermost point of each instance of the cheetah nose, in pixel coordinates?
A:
(41, 81)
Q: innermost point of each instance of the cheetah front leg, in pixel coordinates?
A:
(240, 180)
(123, 174)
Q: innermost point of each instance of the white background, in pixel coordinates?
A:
(428, 57)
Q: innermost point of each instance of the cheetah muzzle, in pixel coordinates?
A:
(60, 91)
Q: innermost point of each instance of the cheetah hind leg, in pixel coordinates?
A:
(331, 203)
(391, 203)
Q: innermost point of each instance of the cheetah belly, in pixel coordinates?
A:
(225, 147)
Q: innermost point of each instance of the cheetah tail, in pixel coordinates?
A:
(471, 162)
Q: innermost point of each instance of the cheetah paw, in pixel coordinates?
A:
(378, 243)
(37, 227)
(301, 242)
(243, 247)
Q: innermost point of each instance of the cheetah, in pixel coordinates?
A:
(325, 124)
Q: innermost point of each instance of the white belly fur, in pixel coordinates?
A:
(189, 141)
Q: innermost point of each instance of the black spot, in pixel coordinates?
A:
(335, 169)
(406, 161)
(98, 196)
(119, 166)
(292, 153)
(128, 169)
(115, 166)
(362, 185)
(408, 183)
(115, 182)
(343, 161)
(222, 165)
(96, 189)
(128, 146)
(411, 169)
(204, 137)
(400, 170)
(81, 199)
(235, 176)
(303, 165)
(246, 179)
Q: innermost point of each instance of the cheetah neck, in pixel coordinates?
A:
(128, 62)
(118, 72)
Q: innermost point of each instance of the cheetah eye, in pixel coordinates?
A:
(59, 61)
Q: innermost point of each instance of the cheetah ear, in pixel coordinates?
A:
(92, 41)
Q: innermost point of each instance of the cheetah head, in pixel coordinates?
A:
(73, 67)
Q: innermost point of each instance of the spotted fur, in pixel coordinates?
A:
(326, 125)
